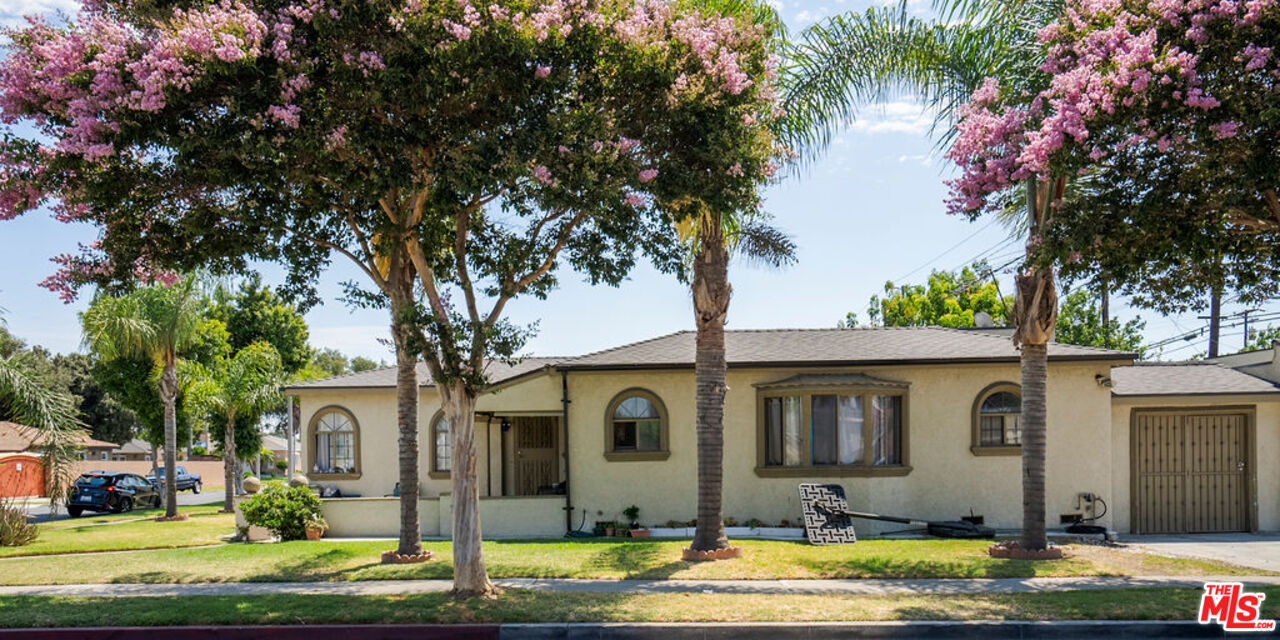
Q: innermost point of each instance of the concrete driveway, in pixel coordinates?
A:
(1258, 551)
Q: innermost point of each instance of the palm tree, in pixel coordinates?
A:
(713, 235)
(246, 383)
(29, 401)
(155, 322)
(846, 62)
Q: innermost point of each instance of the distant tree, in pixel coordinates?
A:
(255, 313)
(153, 324)
(949, 299)
(105, 416)
(1080, 322)
(331, 362)
(360, 363)
(1264, 339)
(242, 385)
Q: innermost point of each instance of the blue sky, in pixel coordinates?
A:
(870, 211)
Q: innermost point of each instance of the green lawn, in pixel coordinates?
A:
(532, 606)
(600, 558)
(132, 530)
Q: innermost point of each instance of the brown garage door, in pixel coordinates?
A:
(1190, 472)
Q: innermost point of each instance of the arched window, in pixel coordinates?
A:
(335, 443)
(441, 445)
(636, 427)
(997, 427)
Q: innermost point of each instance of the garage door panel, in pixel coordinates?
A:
(1189, 472)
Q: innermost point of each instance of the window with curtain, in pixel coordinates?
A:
(443, 451)
(831, 429)
(998, 420)
(335, 449)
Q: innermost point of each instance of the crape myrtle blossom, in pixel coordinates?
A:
(90, 86)
(1125, 76)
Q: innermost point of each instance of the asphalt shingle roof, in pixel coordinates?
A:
(771, 347)
(19, 437)
(1185, 378)
(877, 345)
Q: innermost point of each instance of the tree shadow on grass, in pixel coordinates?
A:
(639, 560)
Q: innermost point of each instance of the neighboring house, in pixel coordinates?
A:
(279, 447)
(913, 421)
(17, 438)
(1261, 363)
(135, 449)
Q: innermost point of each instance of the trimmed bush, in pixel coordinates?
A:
(282, 510)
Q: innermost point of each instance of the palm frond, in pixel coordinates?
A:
(33, 403)
(763, 244)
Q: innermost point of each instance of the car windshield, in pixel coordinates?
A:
(94, 481)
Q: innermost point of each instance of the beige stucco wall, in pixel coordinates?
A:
(946, 481)
(516, 517)
(1267, 430)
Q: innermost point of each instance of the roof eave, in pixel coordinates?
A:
(796, 364)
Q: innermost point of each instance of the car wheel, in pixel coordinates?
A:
(124, 504)
(195, 488)
(74, 512)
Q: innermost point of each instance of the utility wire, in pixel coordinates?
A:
(944, 253)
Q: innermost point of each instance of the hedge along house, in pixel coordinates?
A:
(920, 421)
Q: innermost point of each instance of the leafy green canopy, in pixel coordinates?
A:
(238, 388)
(254, 313)
(950, 299)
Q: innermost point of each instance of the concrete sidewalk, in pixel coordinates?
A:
(796, 587)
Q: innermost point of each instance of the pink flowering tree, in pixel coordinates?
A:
(1167, 116)
(1162, 114)
(457, 153)
(977, 68)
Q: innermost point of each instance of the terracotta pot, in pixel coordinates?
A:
(639, 533)
(608, 532)
(315, 534)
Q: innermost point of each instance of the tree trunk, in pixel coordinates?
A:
(291, 428)
(711, 292)
(407, 418)
(1034, 435)
(470, 578)
(169, 396)
(229, 464)
(1036, 310)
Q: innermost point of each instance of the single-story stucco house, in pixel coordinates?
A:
(919, 421)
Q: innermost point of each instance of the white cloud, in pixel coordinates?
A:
(12, 11)
(922, 159)
(904, 117)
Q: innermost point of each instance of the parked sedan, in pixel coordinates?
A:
(110, 491)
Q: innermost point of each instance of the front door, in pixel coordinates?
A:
(1191, 472)
(537, 454)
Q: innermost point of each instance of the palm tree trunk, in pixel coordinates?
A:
(1034, 434)
(169, 396)
(711, 292)
(470, 577)
(407, 417)
(229, 464)
(1036, 310)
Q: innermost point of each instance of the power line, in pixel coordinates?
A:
(953, 248)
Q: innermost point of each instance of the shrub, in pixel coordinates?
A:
(282, 510)
(281, 464)
(199, 450)
(15, 531)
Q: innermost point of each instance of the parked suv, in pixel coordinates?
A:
(182, 479)
(110, 491)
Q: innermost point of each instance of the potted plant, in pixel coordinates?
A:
(633, 516)
(316, 527)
